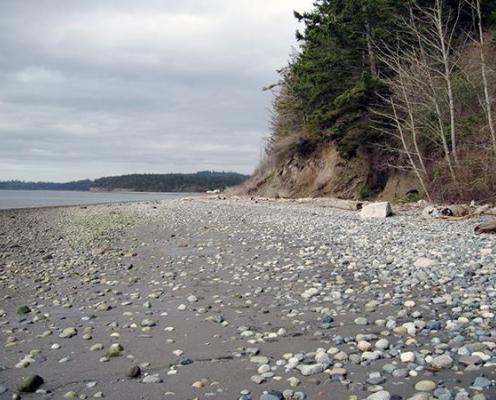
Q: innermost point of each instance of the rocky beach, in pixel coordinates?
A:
(237, 299)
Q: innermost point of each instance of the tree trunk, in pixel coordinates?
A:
(445, 46)
(371, 53)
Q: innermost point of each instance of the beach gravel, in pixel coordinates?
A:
(240, 299)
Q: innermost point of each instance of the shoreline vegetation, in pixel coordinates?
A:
(174, 183)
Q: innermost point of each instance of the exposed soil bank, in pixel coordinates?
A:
(322, 172)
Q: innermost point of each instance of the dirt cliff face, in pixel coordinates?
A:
(324, 173)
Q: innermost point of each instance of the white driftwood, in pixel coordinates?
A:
(341, 204)
(486, 227)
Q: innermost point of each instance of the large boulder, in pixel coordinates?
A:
(377, 210)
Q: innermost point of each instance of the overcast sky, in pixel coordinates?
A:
(104, 87)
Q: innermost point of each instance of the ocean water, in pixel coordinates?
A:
(45, 198)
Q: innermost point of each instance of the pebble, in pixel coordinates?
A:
(425, 386)
(272, 395)
(115, 350)
(192, 299)
(68, 333)
(442, 361)
(30, 383)
(24, 309)
(382, 344)
(200, 384)
(151, 379)
(258, 379)
(380, 395)
(311, 369)
(309, 293)
(133, 372)
(407, 357)
(481, 383)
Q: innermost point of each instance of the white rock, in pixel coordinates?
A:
(311, 369)
(192, 299)
(377, 210)
(281, 332)
(442, 361)
(323, 358)
(371, 355)
(407, 357)
(363, 345)
(310, 293)
(151, 379)
(380, 395)
(382, 344)
(486, 252)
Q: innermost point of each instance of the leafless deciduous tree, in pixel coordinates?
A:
(422, 102)
(487, 102)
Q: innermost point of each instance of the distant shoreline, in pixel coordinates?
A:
(97, 191)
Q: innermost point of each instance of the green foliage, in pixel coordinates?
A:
(410, 197)
(358, 135)
(327, 89)
(21, 185)
(331, 83)
(489, 12)
(200, 181)
(358, 95)
(468, 125)
(364, 193)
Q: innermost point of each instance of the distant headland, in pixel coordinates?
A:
(175, 182)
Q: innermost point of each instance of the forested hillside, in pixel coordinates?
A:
(82, 185)
(386, 98)
(197, 182)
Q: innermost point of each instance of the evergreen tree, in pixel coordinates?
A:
(327, 88)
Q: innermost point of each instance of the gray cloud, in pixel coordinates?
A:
(92, 88)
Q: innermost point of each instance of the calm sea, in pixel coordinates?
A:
(45, 198)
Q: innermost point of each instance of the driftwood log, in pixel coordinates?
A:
(341, 204)
(486, 227)
(461, 212)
